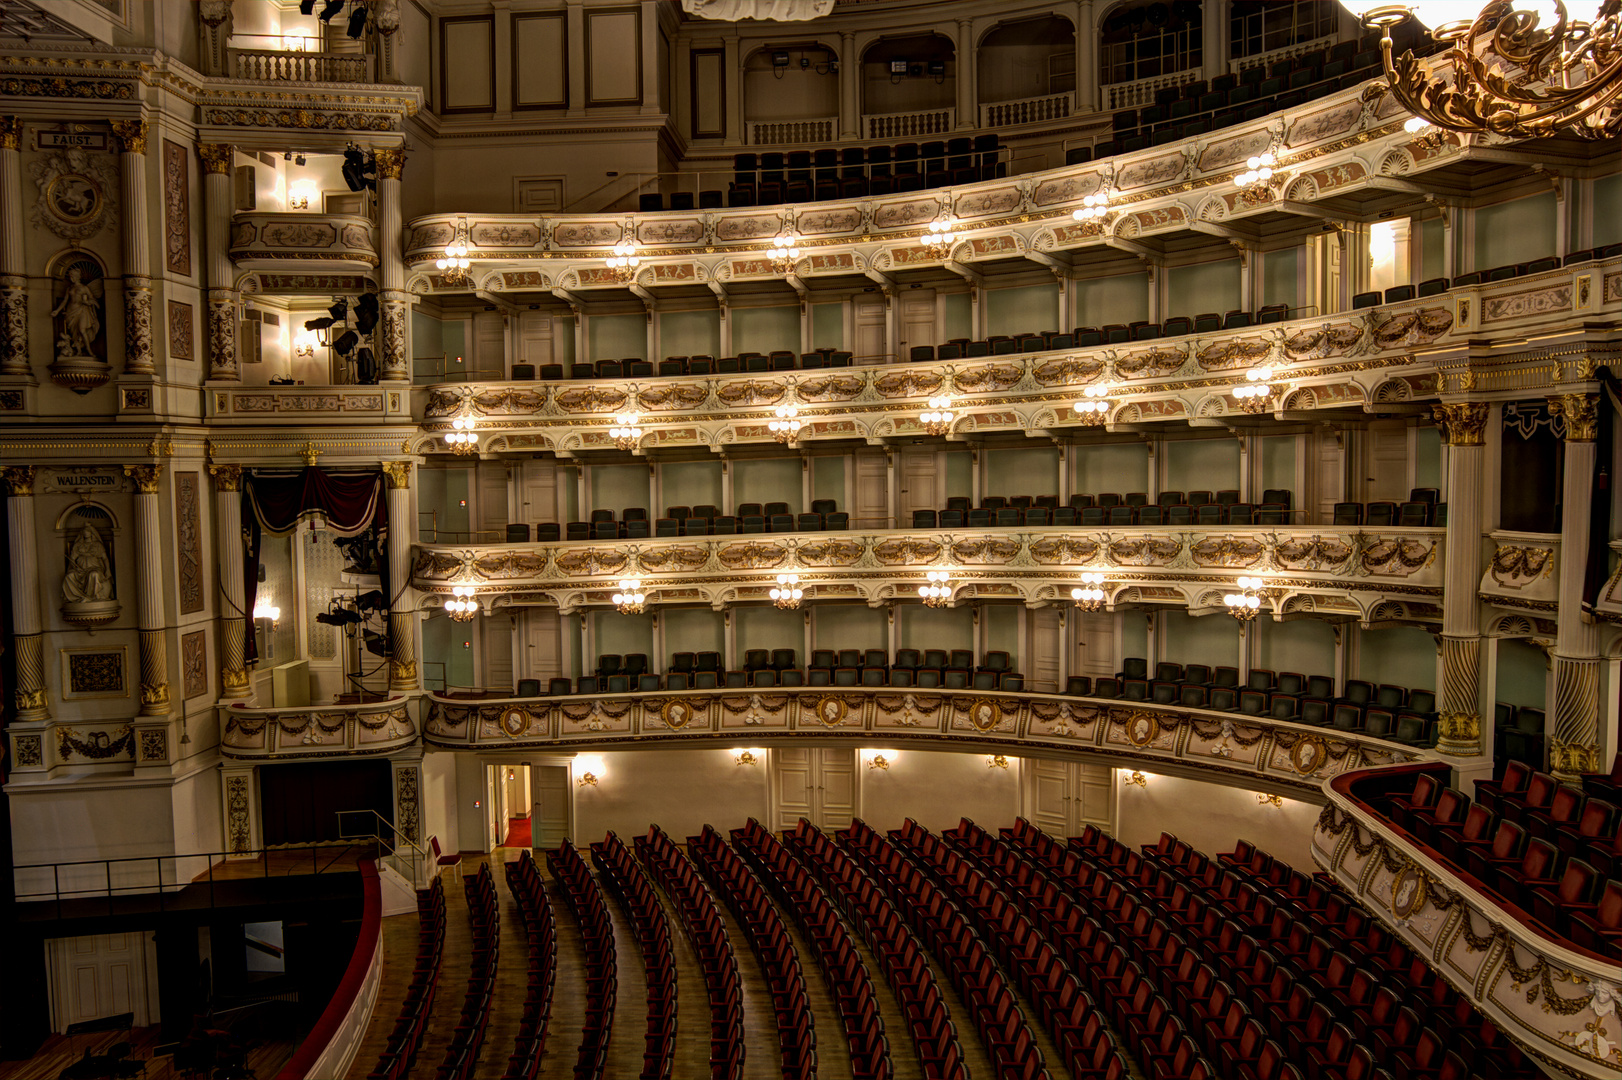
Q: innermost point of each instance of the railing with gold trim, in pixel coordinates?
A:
(1523, 571)
(317, 731)
(273, 240)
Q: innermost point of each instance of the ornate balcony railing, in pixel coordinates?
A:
(1559, 1003)
(1288, 52)
(1392, 574)
(318, 731)
(1226, 747)
(1523, 572)
(769, 132)
(267, 65)
(1037, 110)
(1129, 95)
(310, 404)
(273, 241)
(906, 125)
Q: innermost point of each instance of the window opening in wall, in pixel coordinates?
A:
(1146, 40)
(1257, 26)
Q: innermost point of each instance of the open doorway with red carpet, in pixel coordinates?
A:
(517, 833)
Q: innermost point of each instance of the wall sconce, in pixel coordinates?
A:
(265, 611)
(299, 194)
(1136, 778)
(879, 759)
(754, 755)
(996, 761)
(1275, 801)
(588, 769)
(304, 345)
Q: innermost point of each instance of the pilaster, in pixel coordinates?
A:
(1574, 742)
(222, 305)
(130, 135)
(28, 642)
(1464, 427)
(150, 615)
(402, 608)
(13, 262)
(234, 682)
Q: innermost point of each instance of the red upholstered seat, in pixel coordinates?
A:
(1536, 869)
(1596, 824)
(1451, 838)
(1573, 895)
(1601, 929)
(1565, 809)
(1508, 842)
(1516, 776)
(1426, 791)
(1539, 794)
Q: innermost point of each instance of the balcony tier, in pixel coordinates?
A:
(318, 731)
(309, 242)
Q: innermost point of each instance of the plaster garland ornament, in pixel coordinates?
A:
(76, 193)
(764, 10)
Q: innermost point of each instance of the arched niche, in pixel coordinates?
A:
(1026, 58)
(920, 87)
(89, 585)
(805, 88)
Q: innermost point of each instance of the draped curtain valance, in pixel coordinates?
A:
(348, 501)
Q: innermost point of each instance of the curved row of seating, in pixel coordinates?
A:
(400, 1052)
(837, 956)
(768, 938)
(462, 1056)
(625, 879)
(887, 935)
(585, 899)
(524, 881)
(671, 366)
(702, 923)
(1533, 843)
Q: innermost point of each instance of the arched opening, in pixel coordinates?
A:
(1148, 40)
(917, 73)
(1030, 58)
(794, 84)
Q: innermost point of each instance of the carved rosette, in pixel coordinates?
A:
(138, 358)
(13, 325)
(1464, 423)
(222, 338)
(394, 367)
(1579, 412)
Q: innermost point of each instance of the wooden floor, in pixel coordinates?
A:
(60, 1051)
(291, 862)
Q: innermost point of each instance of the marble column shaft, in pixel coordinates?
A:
(394, 363)
(233, 617)
(138, 358)
(1574, 747)
(222, 306)
(150, 615)
(13, 261)
(1464, 425)
(28, 642)
(402, 608)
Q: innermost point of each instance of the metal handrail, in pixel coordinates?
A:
(389, 839)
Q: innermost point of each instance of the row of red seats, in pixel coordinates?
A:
(462, 1056)
(1152, 1033)
(585, 899)
(905, 967)
(702, 922)
(400, 1052)
(524, 881)
(841, 964)
(970, 964)
(769, 940)
(1069, 1012)
(1538, 845)
(618, 868)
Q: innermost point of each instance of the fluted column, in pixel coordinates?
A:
(1086, 59)
(850, 105)
(1464, 425)
(13, 263)
(395, 366)
(402, 611)
(28, 642)
(1574, 743)
(149, 610)
(222, 306)
(234, 681)
(968, 115)
(130, 136)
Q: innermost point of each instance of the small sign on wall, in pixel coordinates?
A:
(67, 140)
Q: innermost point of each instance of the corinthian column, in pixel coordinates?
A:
(149, 611)
(233, 619)
(13, 264)
(222, 306)
(395, 365)
(1574, 745)
(1464, 425)
(28, 642)
(402, 612)
(131, 138)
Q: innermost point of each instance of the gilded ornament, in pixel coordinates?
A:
(11, 132)
(1580, 412)
(146, 477)
(130, 135)
(390, 162)
(20, 478)
(216, 157)
(226, 477)
(399, 474)
(1464, 423)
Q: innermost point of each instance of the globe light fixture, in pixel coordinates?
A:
(630, 599)
(1255, 394)
(1256, 182)
(940, 237)
(1093, 216)
(1095, 408)
(624, 262)
(266, 611)
(625, 432)
(454, 265)
(1089, 595)
(1245, 604)
(938, 592)
(784, 252)
(462, 605)
(461, 438)
(787, 594)
(937, 419)
(786, 428)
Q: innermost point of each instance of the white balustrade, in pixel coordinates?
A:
(910, 124)
(266, 65)
(1000, 114)
(769, 132)
(1289, 52)
(1129, 95)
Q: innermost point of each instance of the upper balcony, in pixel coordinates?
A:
(289, 240)
(282, 66)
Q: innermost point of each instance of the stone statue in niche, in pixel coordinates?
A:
(79, 326)
(87, 582)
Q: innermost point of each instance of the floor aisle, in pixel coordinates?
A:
(399, 960)
(626, 1047)
(453, 975)
(833, 1052)
(512, 971)
(692, 1002)
(569, 992)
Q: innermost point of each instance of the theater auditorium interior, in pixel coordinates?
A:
(871, 539)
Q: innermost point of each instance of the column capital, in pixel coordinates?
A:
(11, 133)
(130, 135)
(1580, 413)
(1464, 422)
(398, 473)
(390, 162)
(20, 478)
(226, 477)
(146, 477)
(216, 157)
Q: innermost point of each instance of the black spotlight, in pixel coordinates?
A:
(346, 341)
(365, 366)
(306, 6)
(357, 21)
(339, 309)
(366, 312)
(332, 8)
(359, 170)
(319, 324)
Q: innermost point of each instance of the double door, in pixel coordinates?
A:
(1063, 797)
(813, 783)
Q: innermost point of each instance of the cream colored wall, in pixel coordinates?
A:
(1211, 817)
(937, 790)
(680, 790)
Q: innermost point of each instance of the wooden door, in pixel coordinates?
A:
(1064, 797)
(1092, 799)
(869, 317)
(1048, 796)
(541, 635)
(98, 976)
(923, 484)
(1043, 645)
(872, 504)
(793, 773)
(1386, 461)
(551, 819)
(917, 320)
(836, 789)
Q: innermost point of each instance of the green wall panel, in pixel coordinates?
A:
(615, 487)
(763, 627)
(1134, 639)
(1122, 298)
(1118, 467)
(1279, 269)
(959, 473)
(616, 337)
(1212, 286)
(1278, 463)
(1304, 646)
(1523, 673)
(1209, 639)
(765, 480)
(1027, 309)
(1023, 471)
(957, 316)
(691, 483)
(689, 333)
(1209, 464)
(442, 639)
(852, 626)
(1432, 249)
(827, 326)
(1002, 630)
(1516, 231)
(1404, 655)
(616, 633)
(1428, 457)
(828, 480)
(441, 502)
(765, 329)
(920, 627)
(1608, 209)
(692, 630)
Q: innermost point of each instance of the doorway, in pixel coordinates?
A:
(510, 802)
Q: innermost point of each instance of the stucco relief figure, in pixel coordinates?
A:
(80, 312)
(830, 712)
(89, 578)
